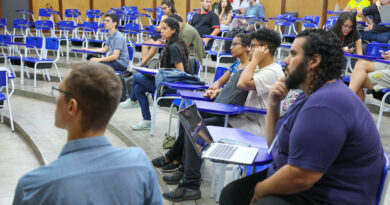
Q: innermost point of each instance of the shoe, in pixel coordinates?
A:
(142, 126)
(128, 104)
(168, 142)
(159, 162)
(174, 178)
(182, 194)
(170, 167)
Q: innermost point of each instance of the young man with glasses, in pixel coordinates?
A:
(89, 169)
(116, 46)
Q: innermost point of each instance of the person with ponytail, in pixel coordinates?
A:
(175, 55)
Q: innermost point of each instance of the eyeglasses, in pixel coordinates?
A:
(56, 94)
(255, 45)
(107, 21)
(163, 8)
(237, 43)
(347, 27)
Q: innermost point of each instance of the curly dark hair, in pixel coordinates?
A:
(170, 3)
(339, 26)
(175, 38)
(227, 9)
(245, 39)
(328, 46)
(269, 37)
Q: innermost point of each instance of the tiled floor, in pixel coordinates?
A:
(39, 126)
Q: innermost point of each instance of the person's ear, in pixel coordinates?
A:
(315, 61)
(73, 107)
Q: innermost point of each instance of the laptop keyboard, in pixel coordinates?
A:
(223, 151)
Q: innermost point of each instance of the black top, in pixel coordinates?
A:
(348, 39)
(374, 12)
(205, 23)
(174, 55)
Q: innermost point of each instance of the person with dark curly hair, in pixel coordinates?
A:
(175, 55)
(325, 148)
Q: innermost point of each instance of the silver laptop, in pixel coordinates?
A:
(206, 147)
(384, 11)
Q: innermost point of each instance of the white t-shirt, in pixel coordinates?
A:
(264, 78)
(244, 4)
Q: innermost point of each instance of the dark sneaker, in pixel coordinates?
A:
(182, 194)
(174, 178)
(159, 162)
(170, 167)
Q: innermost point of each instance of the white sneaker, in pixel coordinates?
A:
(128, 104)
(144, 125)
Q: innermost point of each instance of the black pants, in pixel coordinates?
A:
(241, 192)
(184, 149)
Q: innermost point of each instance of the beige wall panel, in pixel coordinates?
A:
(81, 5)
(332, 4)
(305, 8)
(272, 9)
(38, 4)
(105, 5)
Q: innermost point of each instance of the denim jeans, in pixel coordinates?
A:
(115, 65)
(142, 84)
(383, 37)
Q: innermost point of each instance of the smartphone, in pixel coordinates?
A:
(351, 45)
(233, 142)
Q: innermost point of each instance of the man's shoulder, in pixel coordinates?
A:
(271, 69)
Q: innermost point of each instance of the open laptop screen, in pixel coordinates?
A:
(195, 128)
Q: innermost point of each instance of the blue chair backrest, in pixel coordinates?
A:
(132, 26)
(3, 78)
(67, 25)
(315, 24)
(5, 38)
(90, 26)
(33, 41)
(330, 21)
(383, 180)
(44, 24)
(159, 13)
(52, 44)
(93, 13)
(45, 12)
(286, 17)
(3, 22)
(131, 52)
(219, 73)
(373, 49)
(21, 23)
(119, 13)
(69, 13)
(189, 16)
(130, 9)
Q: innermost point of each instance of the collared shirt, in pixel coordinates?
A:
(205, 23)
(91, 171)
(117, 41)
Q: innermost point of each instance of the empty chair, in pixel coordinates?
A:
(313, 25)
(3, 25)
(5, 78)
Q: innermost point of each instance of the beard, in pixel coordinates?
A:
(298, 76)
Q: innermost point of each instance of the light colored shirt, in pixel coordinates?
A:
(117, 41)
(91, 171)
(264, 78)
(244, 4)
(193, 40)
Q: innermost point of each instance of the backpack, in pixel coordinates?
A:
(232, 34)
(127, 84)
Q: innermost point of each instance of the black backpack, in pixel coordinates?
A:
(232, 34)
(127, 84)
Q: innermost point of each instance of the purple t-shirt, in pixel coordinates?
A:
(332, 132)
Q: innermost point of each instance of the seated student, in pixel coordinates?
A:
(147, 52)
(175, 55)
(225, 14)
(357, 5)
(191, 37)
(116, 46)
(345, 29)
(371, 75)
(206, 22)
(89, 169)
(375, 32)
(254, 10)
(240, 45)
(327, 149)
(241, 5)
(257, 78)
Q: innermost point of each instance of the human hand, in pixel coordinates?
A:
(95, 59)
(369, 27)
(161, 41)
(206, 41)
(348, 50)
(215, 86)
(259, 54)
(257, 194)
(278, 92)
(210, 94)
(84, 49)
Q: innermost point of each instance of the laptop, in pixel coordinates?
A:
(206, 147)
(384, 11)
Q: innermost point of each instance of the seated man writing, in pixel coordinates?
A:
(325, 148)
(116, 46)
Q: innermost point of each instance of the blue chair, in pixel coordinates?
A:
(5, 78)
(22, 26)
(134, 29)
(374, 49)
(159, 14)
(384, 183)
(218, 53)
(74, 14)
(44, 25)
(315, 22)
(94, 14)
(42, 62)
(45, 12)
(3, 25)
(330, 21)
(189, 16)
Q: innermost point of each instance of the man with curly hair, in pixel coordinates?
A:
(326, 148)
